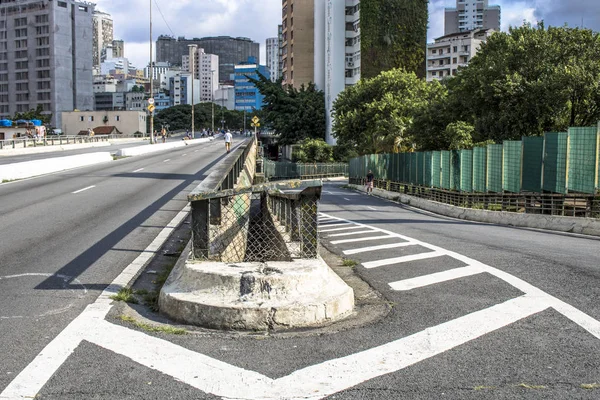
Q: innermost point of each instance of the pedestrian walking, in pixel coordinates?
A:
(370, 179)
(228, 139)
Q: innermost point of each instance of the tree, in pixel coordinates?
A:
(459, 135)
(529, 81)
(295, 114)
(38, 113)
(376, 115)
(313, 151)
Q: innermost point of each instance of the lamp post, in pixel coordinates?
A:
(151, 74)
(192, 53)
(212, 95)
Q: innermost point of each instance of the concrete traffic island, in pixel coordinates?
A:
(253, 258)
(255, 296)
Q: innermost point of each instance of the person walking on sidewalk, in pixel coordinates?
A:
(370, 178)
(228, 138)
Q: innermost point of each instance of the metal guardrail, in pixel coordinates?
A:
(268, 222)
(286, 170)
(51, 140)
(570, 205)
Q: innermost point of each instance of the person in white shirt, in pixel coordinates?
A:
(228, 138)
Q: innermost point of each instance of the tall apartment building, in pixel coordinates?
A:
(280, 52)
(206, 70)
(273, 57)
(230, 50)
(247, 95)
(45, 49)
(118, 48)
(471, 14)
(337, 51)
(298, 25)
(180, 89)
(450, 52)
(103, 35)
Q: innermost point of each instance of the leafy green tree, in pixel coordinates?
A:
(531, 80)
(313, 151)
(296, 114)
(393, 34)
(459, 135)
(38, 113)
(376, 115)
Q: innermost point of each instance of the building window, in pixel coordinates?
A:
(21, 76)
(62, 4)
(19, 44)
(21, 65)
(117, 118)
(43, 41)
(21, 32)
(91, 118)
(40, 19)
(20, 22)
(45, 73)
(42, 30)
(81, 119)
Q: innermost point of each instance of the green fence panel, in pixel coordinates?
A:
(420, 168)
(582, 164)
(436, 169)
(413, 168)
(511, 165)
(532, 158)
(445, 170)
(466, 170)
(427, 169)
(555, 162)
(394, 168)
(479, 169)
(406, 167)
(494, 168)
(455, 170)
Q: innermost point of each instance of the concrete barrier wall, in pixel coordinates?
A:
(30, 169)
(586, 226)
(147, 149)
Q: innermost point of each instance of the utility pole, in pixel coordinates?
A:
(151, 74)
(192, 54)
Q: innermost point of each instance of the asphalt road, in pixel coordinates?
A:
(478, 312)
(64, 237)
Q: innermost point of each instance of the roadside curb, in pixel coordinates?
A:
(579, 225)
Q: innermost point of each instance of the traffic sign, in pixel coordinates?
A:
(151, 107)
(150, 101)
(255, 119)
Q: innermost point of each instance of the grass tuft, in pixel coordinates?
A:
(590, 386)
(347, 262)
(126, 295)
(527, 386)
(152, 328)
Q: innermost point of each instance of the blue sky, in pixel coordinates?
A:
(258, 19)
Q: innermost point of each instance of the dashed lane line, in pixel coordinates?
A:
(138, 170)
(84, 189)
(167, 160)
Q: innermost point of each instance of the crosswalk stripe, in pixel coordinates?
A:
(340, 224)
(379, 247)
(439, 277)
(340, 229)
(352, 233)
(361, 239)
(403, 259)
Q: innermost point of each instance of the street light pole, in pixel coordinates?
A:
(192, 55)
(151, 74)
(212, 95)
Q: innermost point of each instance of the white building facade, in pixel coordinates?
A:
(449, 52)
(156, 69)
(225, 96)
(337, 50)
(206, 70)
(469, 15)
(273, 58)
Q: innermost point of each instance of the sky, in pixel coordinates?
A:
(258, 19)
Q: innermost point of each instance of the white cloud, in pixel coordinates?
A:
(256, 20)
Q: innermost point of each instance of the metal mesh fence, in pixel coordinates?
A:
(494, 168)
(256, 225)
(288, 170)
(466, 170)
(479, 169)
(555, 162)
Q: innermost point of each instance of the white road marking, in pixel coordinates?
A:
(84, 189)
(138, 170)
(361, 239)
(335, 223)
(379, 247)
(372, 208)
(340, 229)
(347, 199)
(168, 159)
(31, 379)
(439, 277)
(352, 233)
(403, 259)
(195, 151)
(183, 155)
